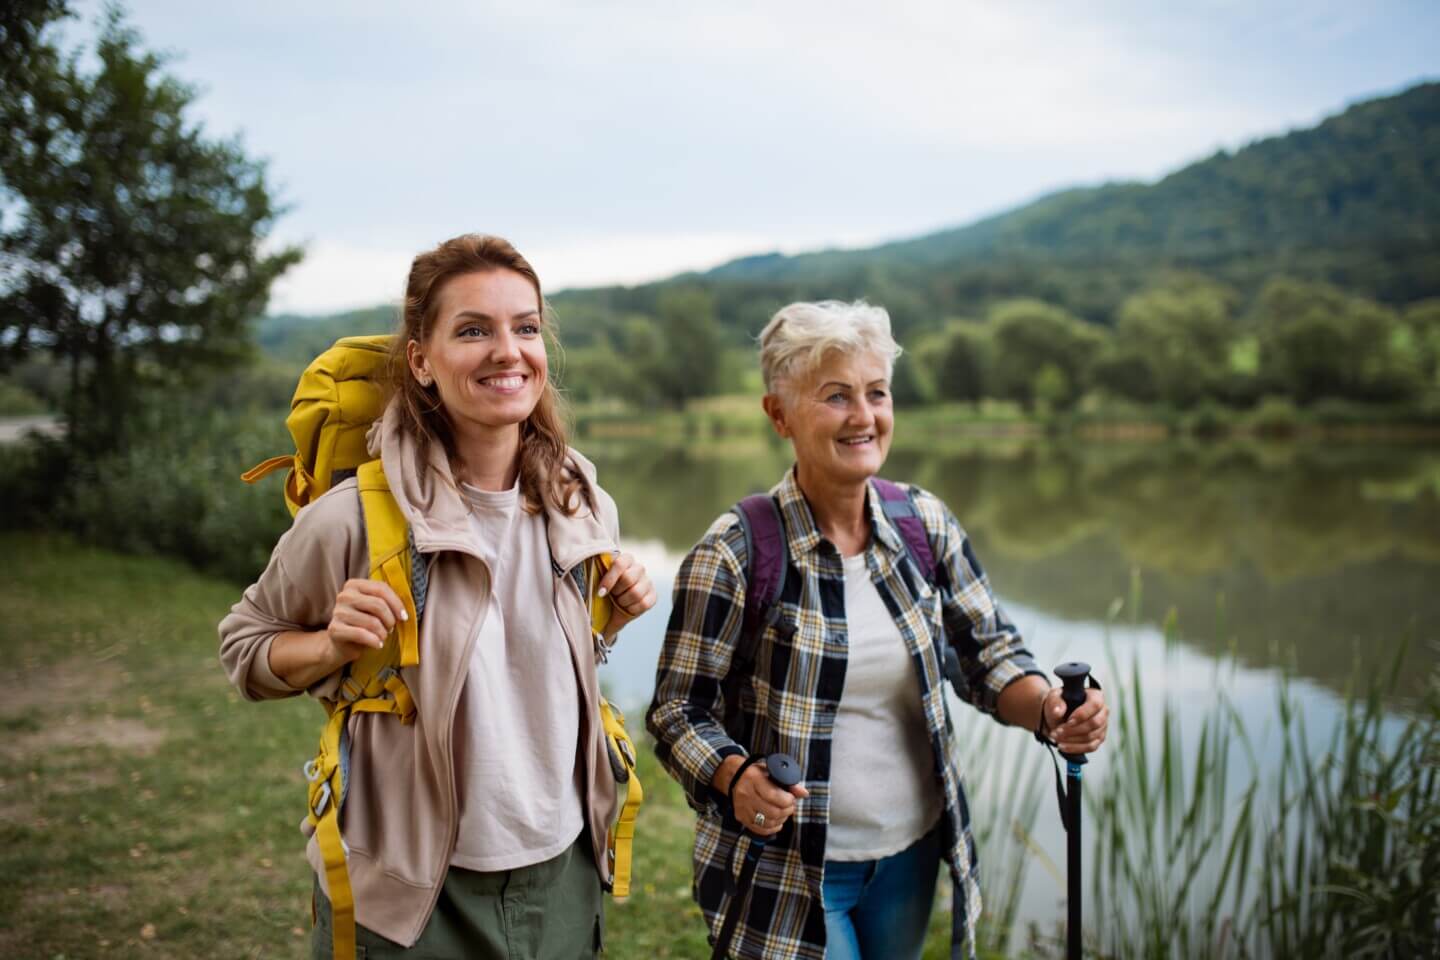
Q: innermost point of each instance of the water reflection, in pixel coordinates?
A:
(1324, 554)
(1316, 558)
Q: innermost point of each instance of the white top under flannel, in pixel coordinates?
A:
(883, 792)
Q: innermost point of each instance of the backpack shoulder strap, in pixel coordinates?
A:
(900, 509)
(388, 536)
(765, 562)
(899, 506)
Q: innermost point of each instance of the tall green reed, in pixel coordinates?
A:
(1331, 850)
(1005, 787)
(1354, 870)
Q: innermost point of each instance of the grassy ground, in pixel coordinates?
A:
(145, 810)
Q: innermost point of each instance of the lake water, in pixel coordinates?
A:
(1316, 559)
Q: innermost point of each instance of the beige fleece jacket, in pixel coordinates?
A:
(400, 816)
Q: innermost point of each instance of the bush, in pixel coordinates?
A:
(1274, 417)
(175, 490)
(1208, 419)
(32, 475)
(1333, 411)
(16, 401)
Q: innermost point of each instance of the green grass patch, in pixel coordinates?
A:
(147, 810)
(144, 805)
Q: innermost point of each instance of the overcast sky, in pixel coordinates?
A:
(622, 142)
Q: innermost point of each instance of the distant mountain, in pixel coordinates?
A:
(297, 339)
(1354, 201)
(1367, 179)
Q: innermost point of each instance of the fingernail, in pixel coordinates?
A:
(404, 614)
(602, 591)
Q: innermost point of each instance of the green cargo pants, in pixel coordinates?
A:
(547, 911)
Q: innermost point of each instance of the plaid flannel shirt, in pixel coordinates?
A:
(785, 700)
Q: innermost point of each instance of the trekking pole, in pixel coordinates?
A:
(784, 773)
(1074, 675)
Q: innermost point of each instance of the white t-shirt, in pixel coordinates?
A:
(517, 728)
(883, 790)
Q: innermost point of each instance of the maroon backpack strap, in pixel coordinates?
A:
(902, 513)
(765, 562)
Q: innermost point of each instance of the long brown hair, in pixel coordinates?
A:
(543, 443)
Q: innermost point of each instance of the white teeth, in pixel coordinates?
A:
(504, 383)
(856, 441)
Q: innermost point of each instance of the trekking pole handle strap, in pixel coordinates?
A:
(745, 764)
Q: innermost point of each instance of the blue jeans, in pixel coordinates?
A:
(880, 909)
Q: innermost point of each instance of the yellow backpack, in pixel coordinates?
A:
(339, 395)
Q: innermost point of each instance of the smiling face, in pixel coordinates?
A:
(485, 354)
(839, 419)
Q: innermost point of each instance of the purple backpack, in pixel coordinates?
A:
(767, 557)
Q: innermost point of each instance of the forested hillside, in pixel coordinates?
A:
(1355, 201)
(1304, 265)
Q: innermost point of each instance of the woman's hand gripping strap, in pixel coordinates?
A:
(388, 536)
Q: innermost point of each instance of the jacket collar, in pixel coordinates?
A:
(439, 518)
(803, 535)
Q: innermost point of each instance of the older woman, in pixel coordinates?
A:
(846, 677)
(479, 829)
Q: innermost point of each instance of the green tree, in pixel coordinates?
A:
(961, 357)
(21, 24)
(131, 242)
(1050, 389)
(1318, 341)
(687, 361)
(912, 383)
(1030, 335)
(1124, 370)
(643, 351)
(1423, 320)
(1183, 330)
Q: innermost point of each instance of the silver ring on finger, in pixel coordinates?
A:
(759, 819)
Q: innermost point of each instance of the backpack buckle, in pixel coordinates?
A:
(350, 689)
(317, 809)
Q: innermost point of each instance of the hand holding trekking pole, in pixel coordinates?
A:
(1081, 729)
(767, 793)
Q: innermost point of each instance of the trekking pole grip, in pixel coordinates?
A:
(1075, 676)
(783, 769)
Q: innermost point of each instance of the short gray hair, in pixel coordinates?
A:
(798, 337)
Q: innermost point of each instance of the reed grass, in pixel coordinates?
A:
(1329, 849)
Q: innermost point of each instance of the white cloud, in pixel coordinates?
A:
(339, 276)
(627, 140)
(343, 276)
(632, 258)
